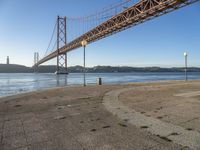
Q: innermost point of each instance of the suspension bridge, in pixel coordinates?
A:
(103, 23)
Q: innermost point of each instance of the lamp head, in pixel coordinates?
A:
(185, 54)
(84, 43)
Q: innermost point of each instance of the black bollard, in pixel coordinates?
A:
(99, 81)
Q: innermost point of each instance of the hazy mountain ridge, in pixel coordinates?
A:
(14, 68)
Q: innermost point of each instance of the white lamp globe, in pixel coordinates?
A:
(84, 43)
(185, 54)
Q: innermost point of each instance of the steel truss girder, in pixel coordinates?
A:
(142, 11)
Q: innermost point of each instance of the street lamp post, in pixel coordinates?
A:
(84, 43)
(186, 76)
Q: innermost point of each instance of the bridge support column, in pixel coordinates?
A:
(61, 41)
(61, 64)
(36, 59)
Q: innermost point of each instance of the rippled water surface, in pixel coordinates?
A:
(23, 82)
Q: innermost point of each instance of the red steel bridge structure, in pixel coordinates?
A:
(129, 16)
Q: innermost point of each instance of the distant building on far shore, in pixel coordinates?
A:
(7, 60)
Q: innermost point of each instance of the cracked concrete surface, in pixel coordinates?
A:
(148, 107)
(72, 118)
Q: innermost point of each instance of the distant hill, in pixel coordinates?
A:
(13, 68)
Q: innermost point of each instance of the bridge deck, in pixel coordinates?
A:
(140, 12)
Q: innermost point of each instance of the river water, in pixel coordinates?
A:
(15, 83)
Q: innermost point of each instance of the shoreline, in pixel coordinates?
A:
(17, 84)
(91, 84)
(21, 94)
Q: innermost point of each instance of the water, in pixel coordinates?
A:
(15, 83)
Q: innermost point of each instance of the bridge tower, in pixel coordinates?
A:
(36, 59)
(7, 60)
(61, 41)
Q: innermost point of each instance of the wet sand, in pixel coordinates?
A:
(76, 117)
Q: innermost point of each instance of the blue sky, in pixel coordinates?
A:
(26, 26)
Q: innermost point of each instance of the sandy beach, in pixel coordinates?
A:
(90, 117)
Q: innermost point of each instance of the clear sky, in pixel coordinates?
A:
(26, 27)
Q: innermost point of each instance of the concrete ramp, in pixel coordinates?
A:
(189, 94)
(164, 130)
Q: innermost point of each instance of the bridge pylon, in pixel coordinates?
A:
(61, 41)
(36, 59)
